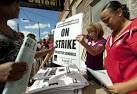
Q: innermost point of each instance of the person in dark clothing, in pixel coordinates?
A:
(9, 44)
(94, 43)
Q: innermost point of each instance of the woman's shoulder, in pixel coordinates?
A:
(134, 21)
(102, 40)
(12, 36)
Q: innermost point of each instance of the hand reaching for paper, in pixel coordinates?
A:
(81, 38)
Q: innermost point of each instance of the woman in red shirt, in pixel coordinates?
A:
(121, 47)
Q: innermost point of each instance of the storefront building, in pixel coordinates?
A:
(91, 10)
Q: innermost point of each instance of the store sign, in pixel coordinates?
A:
(68, 51)
(57, 5)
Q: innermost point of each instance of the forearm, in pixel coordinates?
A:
(46, 59)
(93, 51)
(131, 85)
(41, 53)
(125, 87)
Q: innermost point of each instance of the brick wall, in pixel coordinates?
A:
(133, 8)
(66, 8)
(84, 7)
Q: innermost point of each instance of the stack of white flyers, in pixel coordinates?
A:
(65, 79)
(49, 72)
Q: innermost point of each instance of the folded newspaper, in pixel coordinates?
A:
(101, 76)
(26, 54)
(69, 80)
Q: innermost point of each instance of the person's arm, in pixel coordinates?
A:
(124, 87)
(92, 50)
(46, 59)
(12, 71)
(43, 52)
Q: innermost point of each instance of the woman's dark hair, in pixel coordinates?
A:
(114, 5)
(31, 36)
(7, 2)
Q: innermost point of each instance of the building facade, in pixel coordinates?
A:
(91, 10)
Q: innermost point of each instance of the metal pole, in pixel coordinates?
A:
(39, 31)
(17, 27)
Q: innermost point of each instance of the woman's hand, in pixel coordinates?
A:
(81, 38)
(119, 88)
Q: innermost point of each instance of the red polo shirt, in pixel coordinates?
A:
(121, 60)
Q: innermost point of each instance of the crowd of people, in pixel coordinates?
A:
(121, 47)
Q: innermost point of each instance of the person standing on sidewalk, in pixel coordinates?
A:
(9, 44)
(121, 47)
